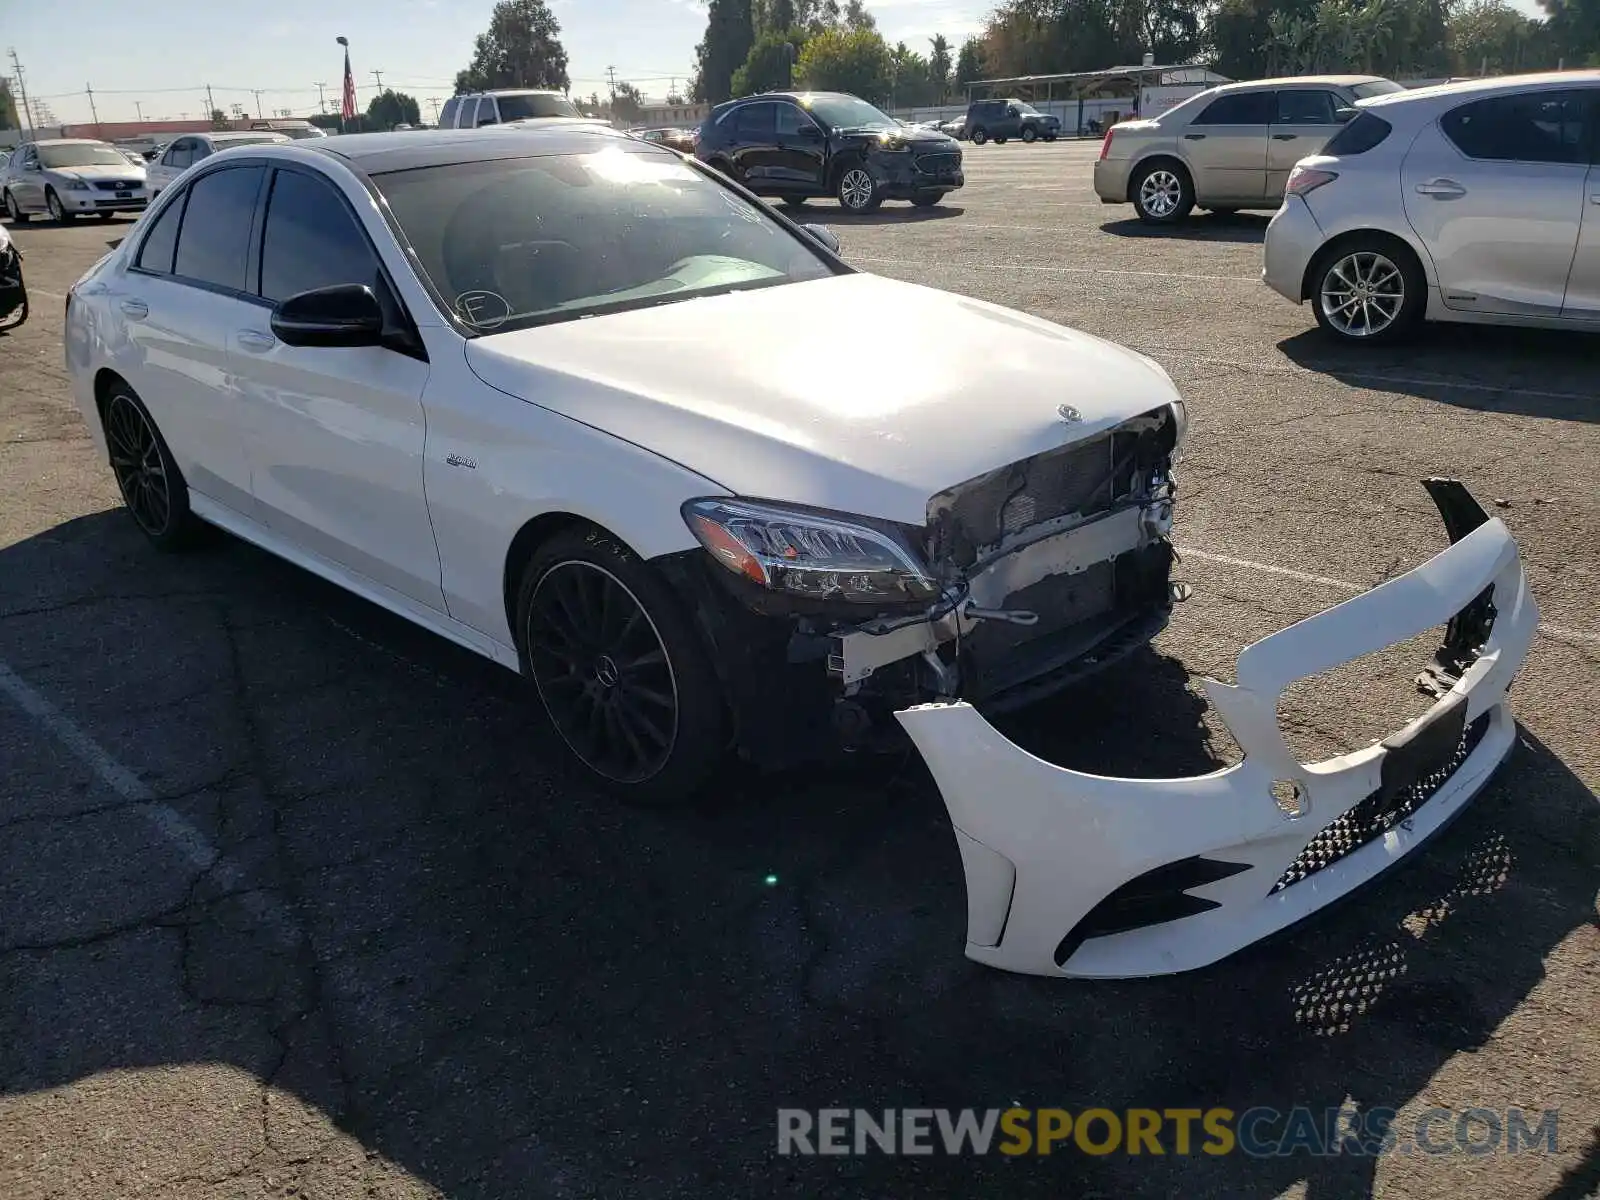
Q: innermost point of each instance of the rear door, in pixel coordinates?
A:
(488, 112)
(1582, 300)
(754, 148)
(1225, 145)
(26, 182)
(1302, 124)
(1496, 189)
(447, 114)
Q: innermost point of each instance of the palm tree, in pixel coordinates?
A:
(939, 67)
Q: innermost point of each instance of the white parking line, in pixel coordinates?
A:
(1101, 271)
(195, 847)
(1559, 632)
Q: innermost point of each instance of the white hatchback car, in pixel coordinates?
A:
(192, 148)
(592, 411)
(1473, 202)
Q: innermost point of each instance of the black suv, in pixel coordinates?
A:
(1003, 119)
(795, 146)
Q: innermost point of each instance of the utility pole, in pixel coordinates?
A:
(378, 75)
(434, 100)
(211, 105)
(89, 92)
(611, 78)
(22, 91)
(138, 107)
(322, 105)
(256, 92)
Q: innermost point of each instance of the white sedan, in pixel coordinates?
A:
(594, 412)
(192, 148)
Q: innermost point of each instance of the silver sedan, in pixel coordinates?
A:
(1472, 202)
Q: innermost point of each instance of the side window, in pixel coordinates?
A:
(155, 253)
(447, 114)
(1306, 108)
(180, 154)
(790, 120)
(202, 150)
(1543, 127)
(756, 122)
(311, 240)
(487, 113)
(216, 227)
(1239, 108)
(469, 113)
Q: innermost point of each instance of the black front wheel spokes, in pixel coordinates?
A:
(603, 671)
(136, 462)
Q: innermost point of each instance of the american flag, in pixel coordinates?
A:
(349, 109)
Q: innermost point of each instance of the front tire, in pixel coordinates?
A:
(58, 214)
(857, 190)
(1162, 194)
(1368, 291)
(152, 486)
(619, 668)
(980, 136)
(17, 216)
(1030, 135)
(794, 201)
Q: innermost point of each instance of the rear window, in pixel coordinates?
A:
(523, 108)
(1377, 87)
(1361, 135)
(1239, 108)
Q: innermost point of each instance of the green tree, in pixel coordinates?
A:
(856, 18)
(768, 67)
(626, 104)
(776, 16)
(1574, 28)
(219, 119)
(1491, 35)
(10, 114)
(729, 35)
(521, 48)
(912, 86)
(859, 63)
(970, 63)
(939, 68)
(390, 108)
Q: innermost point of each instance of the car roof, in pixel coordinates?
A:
(228, 135)
(1300, 81)
(379, 152)
(67, 142)
(1486, 87)
(514, 92)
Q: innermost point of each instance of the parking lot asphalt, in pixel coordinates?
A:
(297, 900)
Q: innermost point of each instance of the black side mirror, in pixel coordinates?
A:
(828, 239)
(1345, 115)
(347, 314)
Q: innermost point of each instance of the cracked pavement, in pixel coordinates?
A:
(345, 925)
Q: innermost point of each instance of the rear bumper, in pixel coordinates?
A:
(1293, 239)
(1111, 180)
(1083, 875)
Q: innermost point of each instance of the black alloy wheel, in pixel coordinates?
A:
(151, 484)
(602, 670)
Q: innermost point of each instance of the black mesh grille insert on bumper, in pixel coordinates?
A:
(1379, 812)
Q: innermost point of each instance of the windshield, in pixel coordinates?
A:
(299, 132)
(1024, 106)
(1378, 87)
(81, 154)
(522, 108)
(847, 112)
(513, 243)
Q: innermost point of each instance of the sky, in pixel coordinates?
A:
(153, 59)
(156, 56)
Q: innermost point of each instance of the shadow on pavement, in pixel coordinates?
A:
(893, 212)
(1545, 373)
(512, 987)
(1201, 227)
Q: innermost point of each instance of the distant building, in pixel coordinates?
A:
(652, 113)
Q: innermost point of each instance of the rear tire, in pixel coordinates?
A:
(152, 486)
(619, 668)
(999, 141)
(794, 201)
(1368, 291)
(1162, 193)
(927, 199)
(18, 217)
(980, 135)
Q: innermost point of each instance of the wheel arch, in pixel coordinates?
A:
(838, 163)
(104, 380)
(1153, 159)
(1339, 241)
(525, 544)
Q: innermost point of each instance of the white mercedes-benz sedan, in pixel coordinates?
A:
(598, 414)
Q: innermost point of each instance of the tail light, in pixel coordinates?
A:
(1105, 145)
(1307, 179)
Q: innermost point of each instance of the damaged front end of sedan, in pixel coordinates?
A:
(1022, 580)
(1085, 875)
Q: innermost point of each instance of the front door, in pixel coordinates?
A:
(1496, 190)
(1301, 127)
(1225, 146)
(1582, 300)
(336, 433)
(801, 149)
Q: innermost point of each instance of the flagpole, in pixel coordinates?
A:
(345, 85)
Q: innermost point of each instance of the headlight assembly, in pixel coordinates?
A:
(807, 553)
(75, 185)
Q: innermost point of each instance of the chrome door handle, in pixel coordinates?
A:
(137, 309)
(253, 339)
(1284, 137)
(1441, 189)
(1194, 137)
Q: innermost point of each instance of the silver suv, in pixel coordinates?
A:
(1227, 148)
(474, 109)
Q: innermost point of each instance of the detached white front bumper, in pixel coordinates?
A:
(1084, 875)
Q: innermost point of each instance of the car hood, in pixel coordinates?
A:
(805, 392)
(107, 171)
